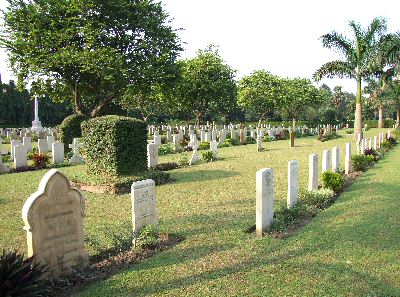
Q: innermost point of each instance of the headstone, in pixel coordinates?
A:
(362, 148)
(75, 146)
(144, 205)
(50, 141)
(291, 139)
(195, 156)
(293, 191)
(53, 218)
(152, 155)
(259, 143)
(43, 148)
(326, 160)
(58, 152)
(12, 146)
(370, 143)
(335, 159)
(264, 199)
(157, 139)
(375, 142)
(347, 162)
(214, 148)
(313, 172)
(27, 142)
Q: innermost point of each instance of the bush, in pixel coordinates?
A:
(166, 166)
(333, 181)
(333, 135)
(349, 131)
(372, 152)
(165, 149)
(183, 159)
(268, 138)
(40, 160)
(321, 198)
(70, 128)
(224, 144)
(207, 156)
(234, 141)
(115, 145)
(387, 145)
(19, 277)
(205, 145)
(250, 140)
(285, 217)
(362, 162)
(146, 237)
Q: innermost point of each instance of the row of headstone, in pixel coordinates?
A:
(53, 220)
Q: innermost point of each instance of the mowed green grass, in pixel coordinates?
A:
(351, 249)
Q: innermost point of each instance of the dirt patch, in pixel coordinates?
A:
(102, 189)
(102, 268)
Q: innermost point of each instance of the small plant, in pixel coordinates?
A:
(205, 145)
(183, 143)
(165, 149)
(146, 237)
(166, 166)
(349, 131)
(333, 135)
(207, 156)
(268, 138)
(333, 181)
(285, 217)
(224, 144)
(19, 277)
(250, 140)
(372, 152)
(183, 159)
(234, 141)
(321, 198)
(40, 160)
(386, 145)
(362, 162)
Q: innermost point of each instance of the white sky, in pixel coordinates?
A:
(278, 36)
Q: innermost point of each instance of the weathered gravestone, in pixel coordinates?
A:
(27, 142)
(326, 160)
(13, 144)
(152, 155)
(347, 162)
(313, 172)
(259, 143)
(53, 218)
(50, 141)
(43, 148)
(76, 158)
(214, 148)
(264, 199)
(335, 159)
(293, 181)
(57, 152)
(144, 206)
(20, 156)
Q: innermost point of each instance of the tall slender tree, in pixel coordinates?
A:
(358, 56)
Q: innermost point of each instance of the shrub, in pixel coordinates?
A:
(333, 181)
(165, 149)
(183, 159)
(207, 156)
(250, 140)
(70, 128)
(146, 237)
(268, 138)
(234, 141)
(387, 145)
(372, 152)
(115, 145)
(159, 177)
(349, 131)
(31, 154)
(224, 144)
(19, 277)
(333, 135)
(321, 198)
(205, 145)
(362, 162)
(40, 160)
(285, 217)
(166, 166)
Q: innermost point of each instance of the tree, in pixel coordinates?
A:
(206, 86)
(358, 54)
(338, 97)
(89, 51)
(392, 92)
(260, 92)
(298, 93)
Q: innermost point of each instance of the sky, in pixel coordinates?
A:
(281, 37)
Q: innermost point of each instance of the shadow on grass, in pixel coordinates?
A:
(201, 175)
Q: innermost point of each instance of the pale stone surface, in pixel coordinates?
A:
(293, 181)
(335, 159)
(58, 152)
(264, 199)
(3, 168)
(50, 141)
(362, 147)
(144, 205)
(195, 157)
(326, 160)
(152, 155)
(27, 142)
(53, 218)
(43, 148)
(313, 172)
(375, 142)
(157, 139)
(347, 162)
(20, 156)
(214, 148)
(76, 158)
(14, 143)
(259, 143)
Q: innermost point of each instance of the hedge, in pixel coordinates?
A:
(115, 145)
(70, 128)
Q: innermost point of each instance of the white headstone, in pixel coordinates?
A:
(214, 148)
(313, 172)
(293, 191)
(76, 158)
(144, 205)
(12, 146)
(195, 156)
(259, 143)
(157, 139)
(58, 152)
(152, 155)
(347, 164)
(27, 142)
(375, 142)
(43, 148)
(335, 159)
(50, 141)
(264, 199)
(326, 160)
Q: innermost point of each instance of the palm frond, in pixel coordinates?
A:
(340, 69)
(339, 43)
(377, 28)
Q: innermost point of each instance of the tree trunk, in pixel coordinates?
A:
(398, 116)
(78, 102)
(381, 123)
(358, 112)
(294, 123)
(198, 115)
(260, 120)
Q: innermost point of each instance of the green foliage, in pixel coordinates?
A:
(41, 160)
(234, 141)
(361, 162)
(349, 131)
(205, 145)
(332, 135)
(70, 128)
(250, 140)
(166, 166)
(268, 138)
(321, 198)
(115, 145)
(285, 217)
(96, 50)
(19, 277)
(224, 144)
(183, 159)
(207, 156)
(373, 153)
(165, 149)
(387, 144)
(333, 181)
(146, 237)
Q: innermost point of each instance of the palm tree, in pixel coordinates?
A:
(358, 55)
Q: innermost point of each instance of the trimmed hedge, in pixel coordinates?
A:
(115, 145)
(70, 128)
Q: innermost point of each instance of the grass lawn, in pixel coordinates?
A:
(351, 249)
